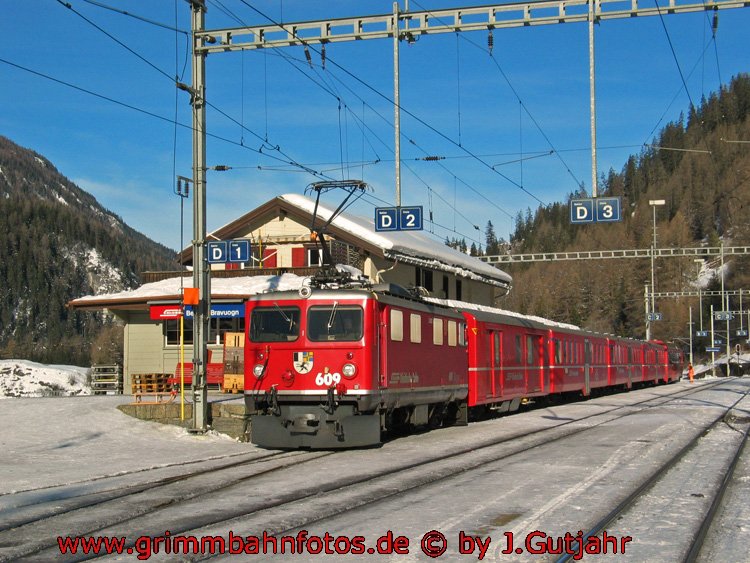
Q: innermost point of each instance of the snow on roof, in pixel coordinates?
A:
(226, 287)
(486, 309)
(407, 246)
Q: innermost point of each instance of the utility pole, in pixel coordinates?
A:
(201, 274)
(397, 103)
(592, 98)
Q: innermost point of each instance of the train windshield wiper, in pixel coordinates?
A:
(333, 315)
(283, 314)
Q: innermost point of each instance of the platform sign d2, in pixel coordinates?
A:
(399, 218)
(410, 218)
(386, 219)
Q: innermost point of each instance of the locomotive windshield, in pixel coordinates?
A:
(274, 324)
(335, 323)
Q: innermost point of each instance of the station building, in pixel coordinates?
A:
(283, 255)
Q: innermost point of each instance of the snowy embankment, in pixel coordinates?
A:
(22, 378)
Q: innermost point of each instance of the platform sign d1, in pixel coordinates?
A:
(217, 252)
(239, 251)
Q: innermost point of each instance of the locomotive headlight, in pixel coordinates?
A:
(258, 370)
(349, 370)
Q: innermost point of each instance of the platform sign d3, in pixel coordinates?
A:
(608, 210)
(595, 210)
(582, 211)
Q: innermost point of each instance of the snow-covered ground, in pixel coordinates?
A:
(63, 440)
(22, 378)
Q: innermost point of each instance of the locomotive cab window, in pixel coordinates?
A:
(274, 324)
(335, 323)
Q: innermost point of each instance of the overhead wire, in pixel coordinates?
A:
(301, 66)
(401, 108)
(155, 115)
(490, 51)
(276, 148)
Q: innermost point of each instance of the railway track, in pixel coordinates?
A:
(245, 494)
(715, 451)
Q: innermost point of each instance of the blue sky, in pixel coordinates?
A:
(532, 98)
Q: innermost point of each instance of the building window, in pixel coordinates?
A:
(314, 256)
(217, 328)
(445, 287)
(459, 291)
(172, 332)
(424, 279)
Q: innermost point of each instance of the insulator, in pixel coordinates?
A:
(715, 23)
(490, 41)
(323, 56)
(307, 56)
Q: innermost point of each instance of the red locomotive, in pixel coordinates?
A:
(333, 368)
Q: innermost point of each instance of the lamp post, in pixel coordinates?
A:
(699, 263)
(653, 203)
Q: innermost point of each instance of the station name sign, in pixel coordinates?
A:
(218, 311)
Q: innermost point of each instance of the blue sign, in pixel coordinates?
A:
(654, 316)
(410, 218)
(582, 211)
(386, 219)
(713, 349)
(221, 311)
(701, 333)
(741, 332)
(598, 210)
(239, 251)
(398, 218)
(608, 210)
(217, 252)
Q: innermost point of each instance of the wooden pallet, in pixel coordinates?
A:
(150, 383)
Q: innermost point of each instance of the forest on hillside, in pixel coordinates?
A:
(57, 243)
(701, 166)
